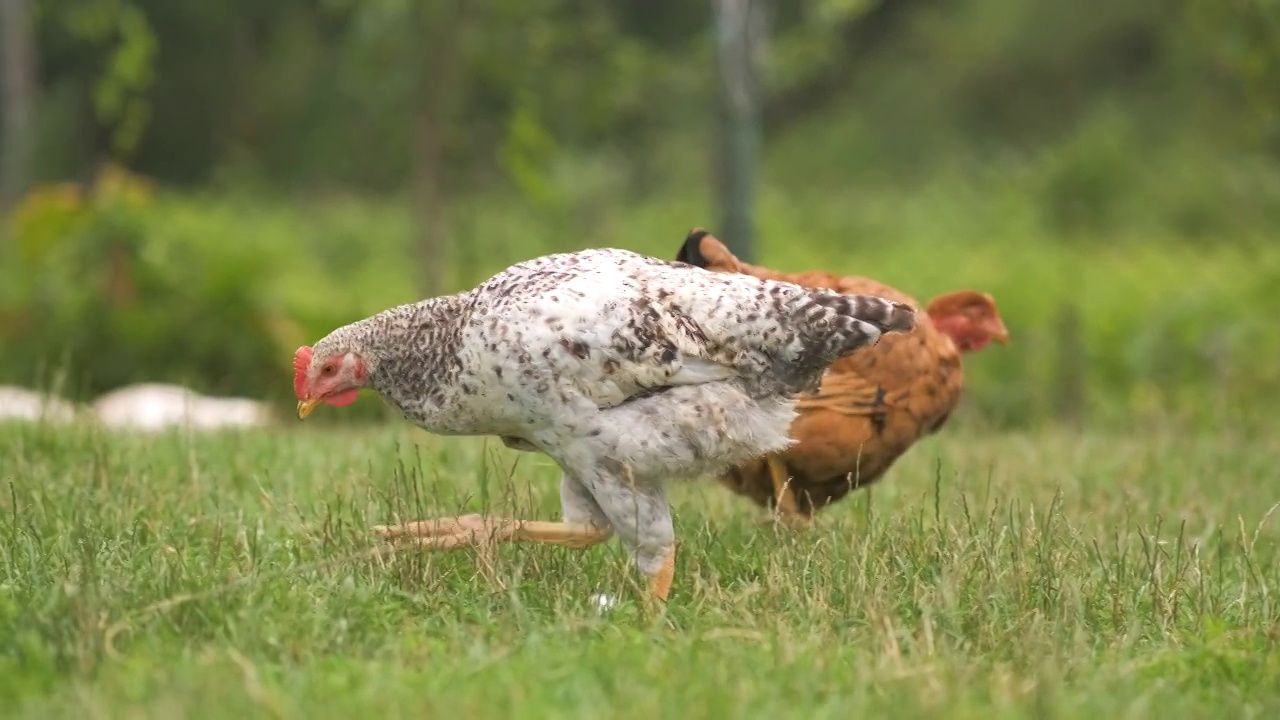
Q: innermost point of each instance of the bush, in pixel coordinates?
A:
(116, 283)
(120, 283)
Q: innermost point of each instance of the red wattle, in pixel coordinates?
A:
(342, 399)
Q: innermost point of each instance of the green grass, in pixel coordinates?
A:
(1047, 575)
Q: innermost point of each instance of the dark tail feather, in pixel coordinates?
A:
(835, 325)
(691, 251)
(887, 315)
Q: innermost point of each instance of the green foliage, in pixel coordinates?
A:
(1028, 575)
(124, 48)
(1240, 40)
(225, 287)
(811, 39)
(1107, 160)
(287, 89)
(100, 284)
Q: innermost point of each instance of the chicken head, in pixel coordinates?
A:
(969, 318)
(333, 379)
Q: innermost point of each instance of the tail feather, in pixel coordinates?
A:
(691, 250)
(830, 325)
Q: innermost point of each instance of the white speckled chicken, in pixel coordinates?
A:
(627, 370)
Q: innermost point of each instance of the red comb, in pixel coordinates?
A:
(301, 361)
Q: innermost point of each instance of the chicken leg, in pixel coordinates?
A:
(784, 497)
(444, 534)
(660, 582)
(584, 525)
(642, 519)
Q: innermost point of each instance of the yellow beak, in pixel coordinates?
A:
(306, 406)
(1001, 334)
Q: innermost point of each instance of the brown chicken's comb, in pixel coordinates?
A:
(301, 361)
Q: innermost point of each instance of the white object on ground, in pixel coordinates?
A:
(157, 406)
(22, 404)
(604, 602)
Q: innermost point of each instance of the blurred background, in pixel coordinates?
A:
(190, 190)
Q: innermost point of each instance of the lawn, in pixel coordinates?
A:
(1051, 575)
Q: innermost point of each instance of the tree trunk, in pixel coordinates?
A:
(17, 97)
(738, 31)
(435, 112)
(430, 223)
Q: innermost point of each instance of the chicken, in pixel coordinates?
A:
(873, 405)
(628, 371)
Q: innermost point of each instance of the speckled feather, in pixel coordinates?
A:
(872, 406)
(606, 357)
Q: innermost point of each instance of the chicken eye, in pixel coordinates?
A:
(327, 370)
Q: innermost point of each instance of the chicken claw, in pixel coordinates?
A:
(467, 530)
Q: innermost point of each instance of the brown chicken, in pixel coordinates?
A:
(872, 405)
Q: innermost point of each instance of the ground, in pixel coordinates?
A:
(1053, 574)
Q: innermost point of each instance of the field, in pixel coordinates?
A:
(190, 192)
(1051, 575)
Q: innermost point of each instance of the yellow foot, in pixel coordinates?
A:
(783, 496)
(660, 582)
(458, 532)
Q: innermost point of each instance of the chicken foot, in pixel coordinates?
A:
(581, 529)
(453, 533)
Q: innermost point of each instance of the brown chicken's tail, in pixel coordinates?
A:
(702, 249)
(691, 251)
